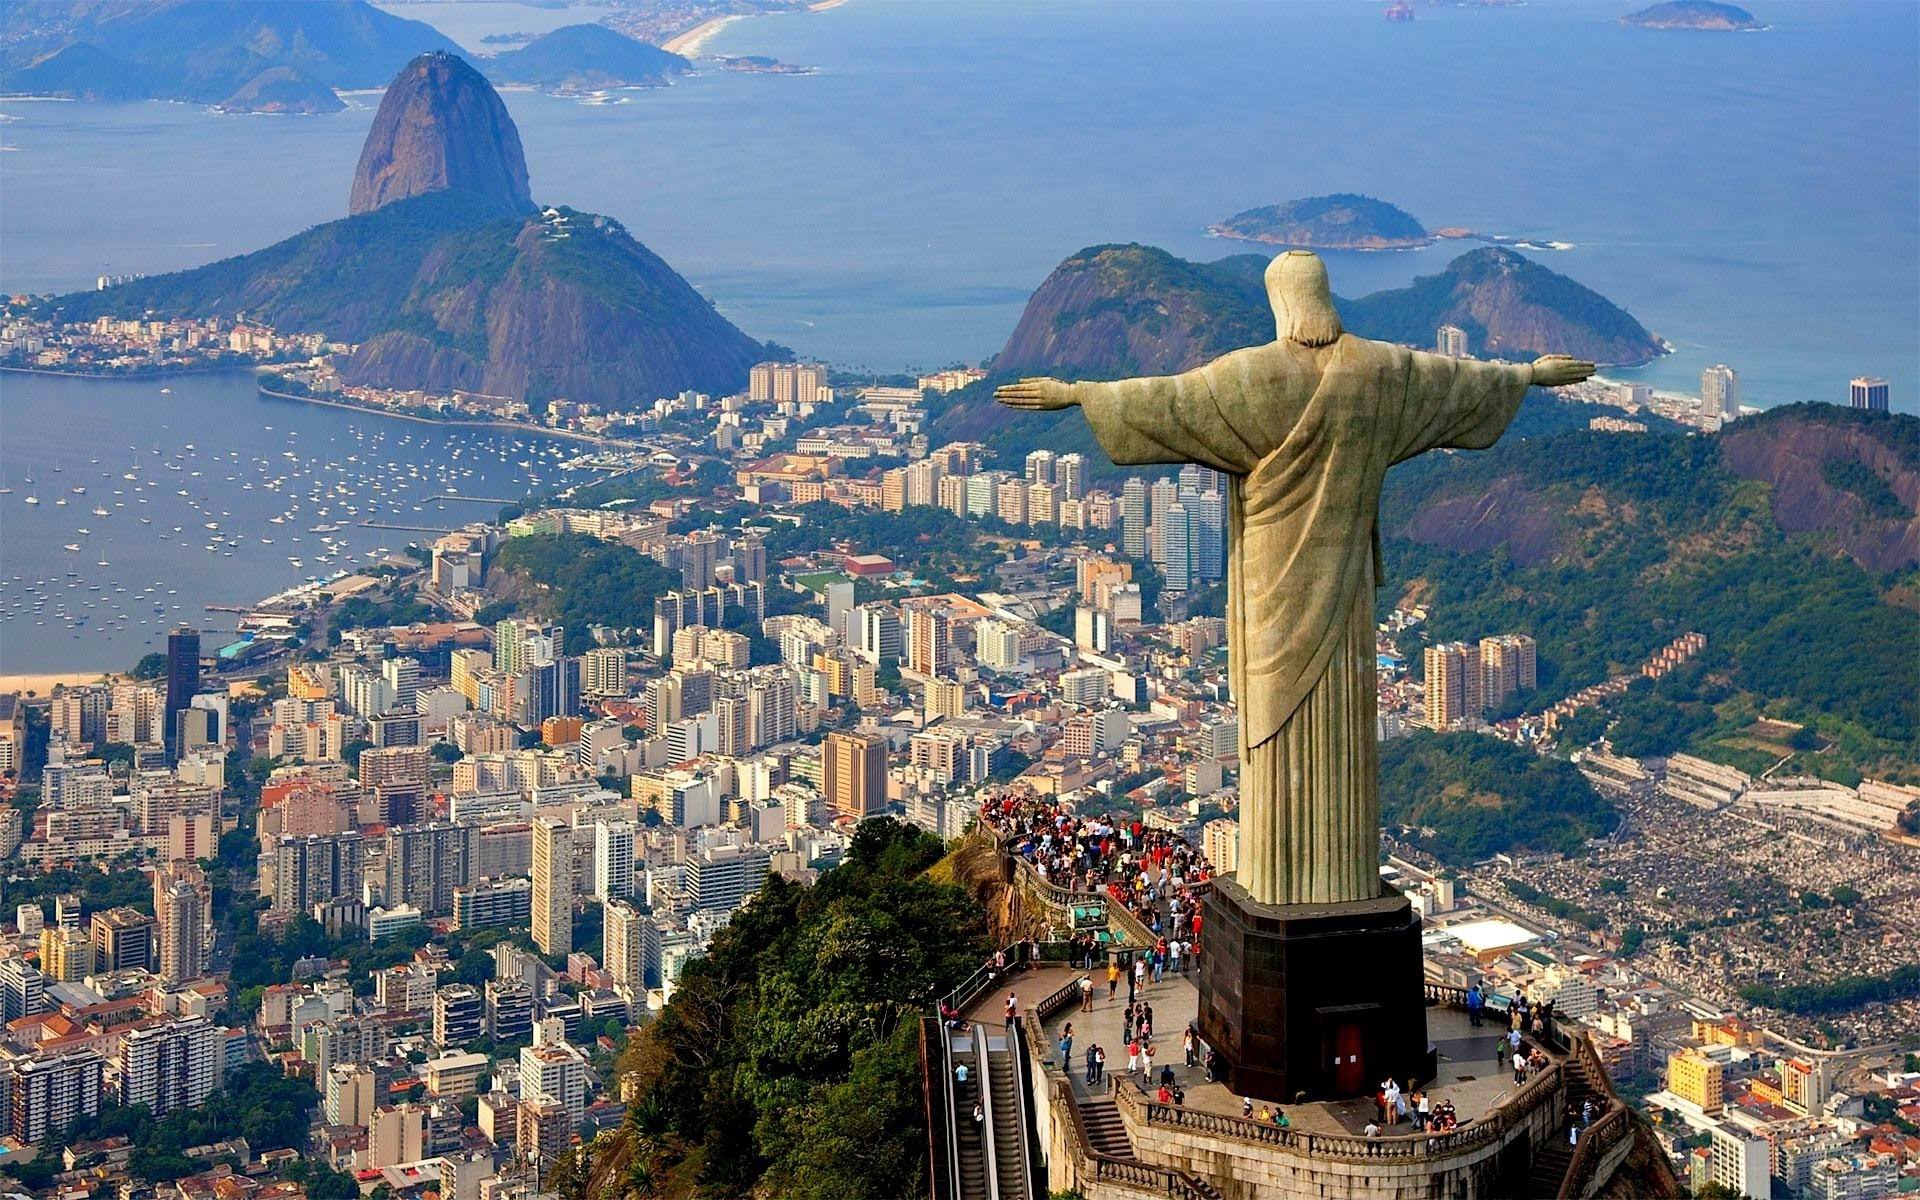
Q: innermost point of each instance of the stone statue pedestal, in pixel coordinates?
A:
(1322, 999)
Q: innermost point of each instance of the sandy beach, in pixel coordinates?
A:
(689, 43)
(43, 684)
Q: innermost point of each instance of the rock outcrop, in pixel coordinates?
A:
(441, 127)
(447, 278)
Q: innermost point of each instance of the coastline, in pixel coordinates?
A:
(159, 373)
(42, 683)
(688, 44)
(521, 426)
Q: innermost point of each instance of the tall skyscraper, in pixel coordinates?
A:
(183, 679)
(403, 676)
(552, 886)
(1869, 392)
(854, 773)
(929, 641)
(1451, 340)
(1210, 535)
(613, 860)
(182, 908)
(1453, 684)
(1040, 465)
(1133, 518)
(625, 945)
(1720, 392)
(1070, 474)
(1176, 547)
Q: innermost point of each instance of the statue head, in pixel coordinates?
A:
(1302, 301)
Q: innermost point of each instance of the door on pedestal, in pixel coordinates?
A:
(1349, 1034)
(1349, 1058)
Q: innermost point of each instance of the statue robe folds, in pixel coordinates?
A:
(1307, 448)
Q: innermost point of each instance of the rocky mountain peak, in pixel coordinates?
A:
(441, 127)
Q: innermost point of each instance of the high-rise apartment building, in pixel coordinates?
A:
(1720, 392)
(1508, 664)
(854, 773)
(929, 640)
(1451, 340)
(786, 383)
(66, 953)
(604, 671)
(878, 634)
(625, 942)
(613, 860)
(723, 877)
(1453, 685)
(1868, 392)
(171, 1066)
(1133, 518)
(425, 863)
(45, 1093)
(555, 1074)
(459, 1015)
(552, 886)
(1070, 475)
(182, 907)
(308, 870)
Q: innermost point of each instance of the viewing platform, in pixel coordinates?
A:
(1113, 1139)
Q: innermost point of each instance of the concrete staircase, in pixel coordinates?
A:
(1106, 1132)
(1550, 1161)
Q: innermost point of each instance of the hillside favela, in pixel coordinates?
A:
(959, 600)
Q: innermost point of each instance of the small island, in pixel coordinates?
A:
(579, 59)
(1694, 14)
(282, 90)
(1342, 221)
(760, 64)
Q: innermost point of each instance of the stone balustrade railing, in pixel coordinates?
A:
(1492, 1127)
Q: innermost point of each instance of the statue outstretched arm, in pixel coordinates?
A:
(1153, 419)
(1466, 404)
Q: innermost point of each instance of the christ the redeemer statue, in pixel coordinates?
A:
(1305, 428)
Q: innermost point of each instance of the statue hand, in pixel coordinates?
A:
(1556, 370)
(1036, 395)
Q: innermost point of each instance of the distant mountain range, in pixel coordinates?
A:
(1118, 310)
(1342, 221)
(448, 276)
(286, 56)
(269, 55)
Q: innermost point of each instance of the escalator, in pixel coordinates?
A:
(1008, 1125)
(970, 1181)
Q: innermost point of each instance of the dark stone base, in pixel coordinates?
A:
(1321, 1001)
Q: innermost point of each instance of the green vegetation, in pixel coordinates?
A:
(151, 666)
(1528, 894)
(255, 1101)
(1469, 797)
(1838, 995)
(582, 581)
(1342, 221)
(1610, 547)
(786, 1063)
(1860, 480)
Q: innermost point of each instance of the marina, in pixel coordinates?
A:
(204, 496)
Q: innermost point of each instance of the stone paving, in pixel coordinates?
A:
(1469, 1075)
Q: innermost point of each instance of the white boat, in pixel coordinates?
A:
(72, 547)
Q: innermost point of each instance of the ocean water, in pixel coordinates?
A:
(1753, 198)
(212, 460)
